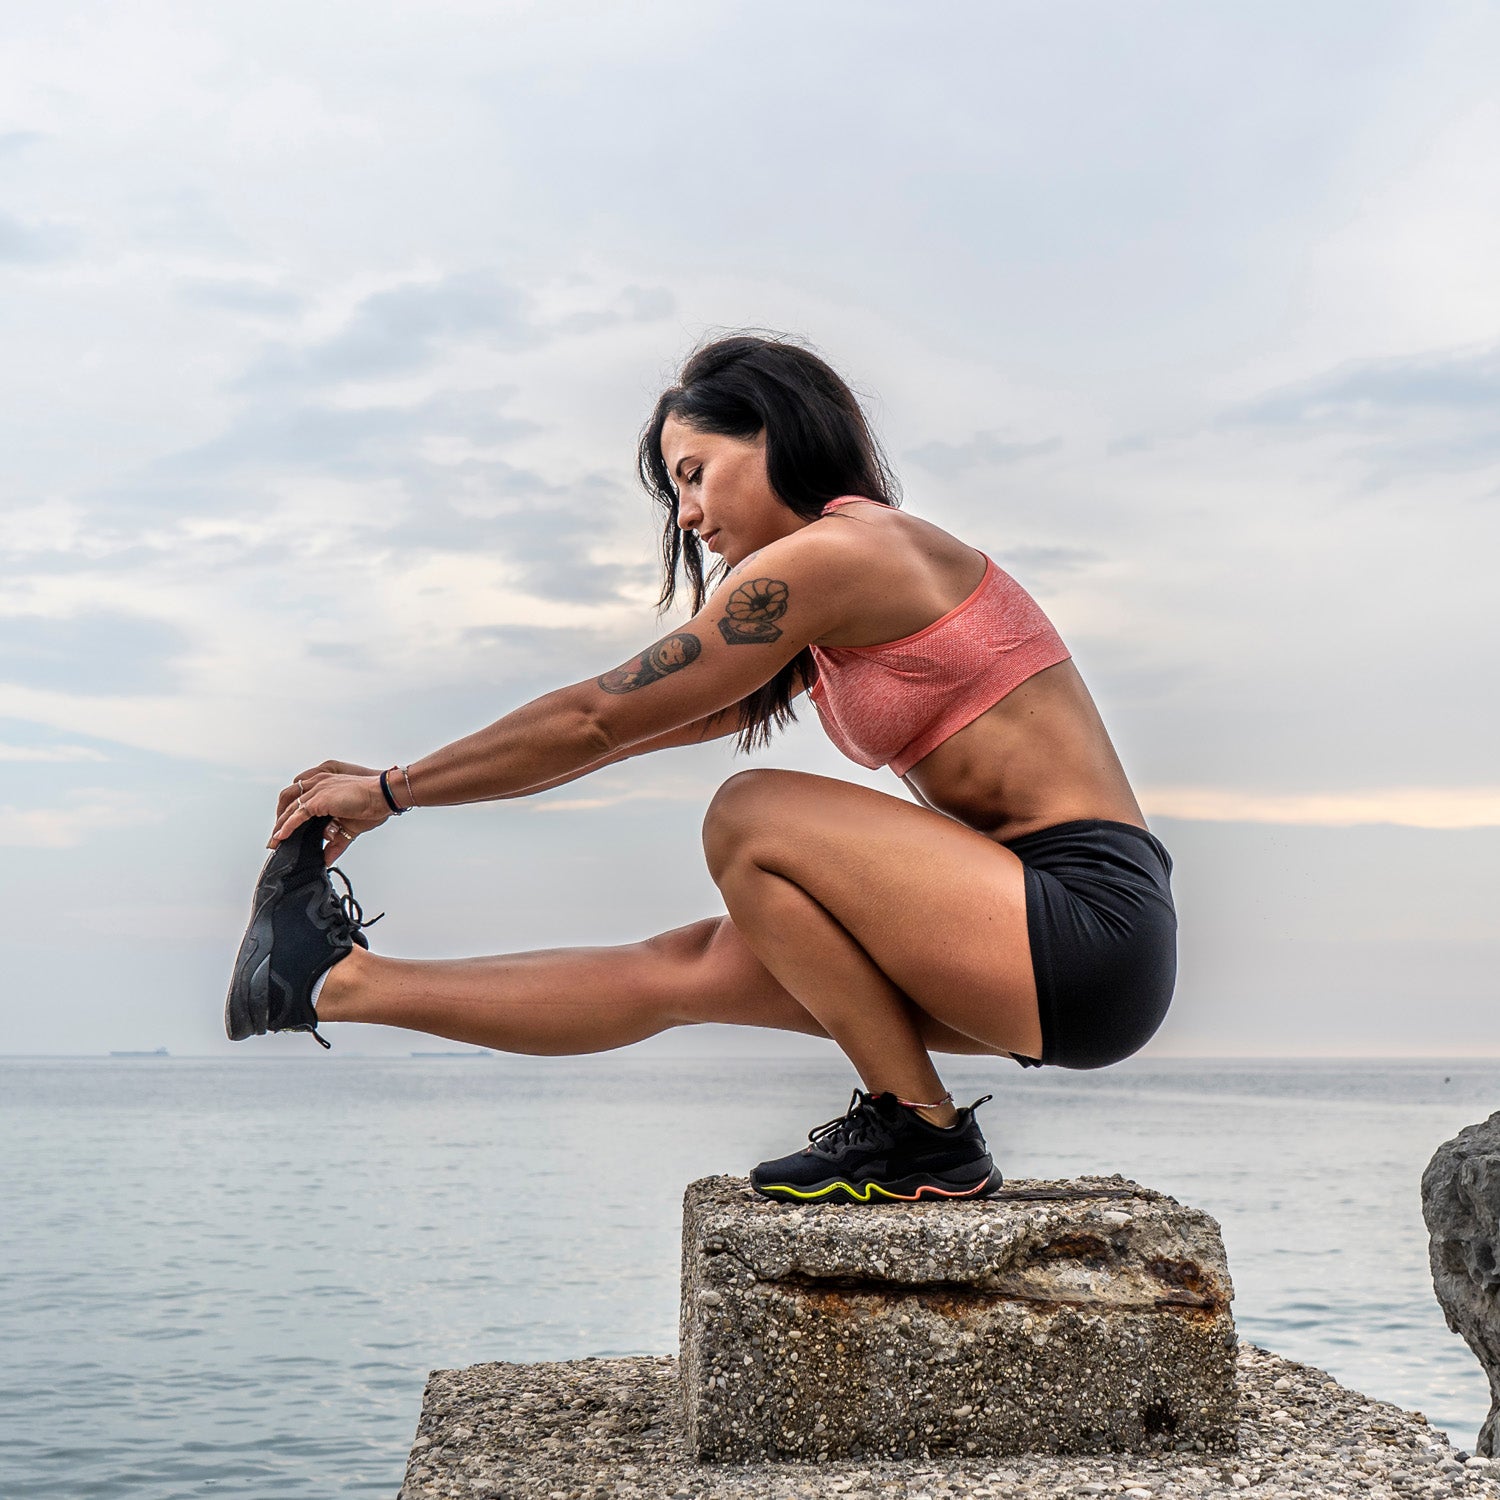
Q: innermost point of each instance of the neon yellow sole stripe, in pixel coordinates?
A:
(870, 1187)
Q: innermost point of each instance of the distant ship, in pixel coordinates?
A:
(472, 1052)
(155, 1052)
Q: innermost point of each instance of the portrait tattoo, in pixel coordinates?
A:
(752, 611)
(671, 654)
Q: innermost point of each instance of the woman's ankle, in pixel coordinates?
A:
(940, 1112)
(943, 1115)
(340, 985)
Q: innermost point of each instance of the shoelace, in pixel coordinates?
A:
(857, 1125)
(348, 903)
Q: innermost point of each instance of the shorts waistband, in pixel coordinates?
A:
(1086, 825)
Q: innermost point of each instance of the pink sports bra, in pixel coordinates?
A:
(895, 703)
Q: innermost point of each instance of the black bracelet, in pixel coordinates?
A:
(385, 791)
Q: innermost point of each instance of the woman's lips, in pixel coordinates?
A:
(708, 541)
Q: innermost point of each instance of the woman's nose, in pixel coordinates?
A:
(689, 514)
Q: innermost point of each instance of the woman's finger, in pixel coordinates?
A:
(303, 784)
(338, 839)
(289, 822)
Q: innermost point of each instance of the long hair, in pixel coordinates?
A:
(818, 447)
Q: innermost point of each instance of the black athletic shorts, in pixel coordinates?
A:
(1103, 938)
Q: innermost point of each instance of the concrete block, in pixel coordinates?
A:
(1059, 1317)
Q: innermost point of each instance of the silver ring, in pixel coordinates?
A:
(300, 787)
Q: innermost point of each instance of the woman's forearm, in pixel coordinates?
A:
(546, 742)
(714, 727)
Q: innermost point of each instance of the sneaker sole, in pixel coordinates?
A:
(904, 1190)
(247, 1007)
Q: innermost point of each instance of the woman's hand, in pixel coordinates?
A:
(348, 794)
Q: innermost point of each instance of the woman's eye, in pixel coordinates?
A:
(695, 476)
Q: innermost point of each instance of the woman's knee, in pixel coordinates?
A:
(741, 812)
(685, 947)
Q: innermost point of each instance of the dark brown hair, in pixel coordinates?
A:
(818, 447)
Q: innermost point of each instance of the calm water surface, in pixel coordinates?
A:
(230, 1278)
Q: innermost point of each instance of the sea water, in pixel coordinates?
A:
(231, 1277)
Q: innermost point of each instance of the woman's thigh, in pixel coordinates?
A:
(939, 908)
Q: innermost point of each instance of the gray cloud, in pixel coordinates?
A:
(396, 331)
(15, 141)
(638, 305)
(32, 244)
(252, 297)
(475, 503)
(297, 433)
(1432, 412)
(543, 528)
(104, 653)
(983, 450)
(1367, 394)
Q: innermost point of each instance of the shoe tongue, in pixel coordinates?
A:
(310, 852)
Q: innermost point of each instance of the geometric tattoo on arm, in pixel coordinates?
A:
(671, 654)
(751, 613)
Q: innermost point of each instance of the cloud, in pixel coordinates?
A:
(1406, 806)
(396, 331)
(1367, 392)
(637, 304)
(253, 297)
(377, 439)
(14, 141)
(1430, 410)
(87, 812)
(32, 244)
(983, 450)
(106, 653)
(51, 754)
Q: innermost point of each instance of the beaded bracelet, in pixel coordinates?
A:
(385, 790)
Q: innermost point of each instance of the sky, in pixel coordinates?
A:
(329, 331)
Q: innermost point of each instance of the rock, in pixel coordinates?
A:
(1461, 1204)
(1073, 1317)
(509, 1409)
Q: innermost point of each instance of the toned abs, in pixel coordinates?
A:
(1041, 756)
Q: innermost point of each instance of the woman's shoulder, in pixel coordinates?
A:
(902, 539)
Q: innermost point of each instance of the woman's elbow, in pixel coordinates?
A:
(597, 731)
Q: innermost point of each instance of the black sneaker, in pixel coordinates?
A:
(299, 928)
(883, 1149)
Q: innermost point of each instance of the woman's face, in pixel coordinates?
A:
(722, 490)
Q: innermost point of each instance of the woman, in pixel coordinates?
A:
(1018, 907)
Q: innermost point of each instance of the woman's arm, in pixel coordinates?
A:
(761, 617)
(714, 727)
